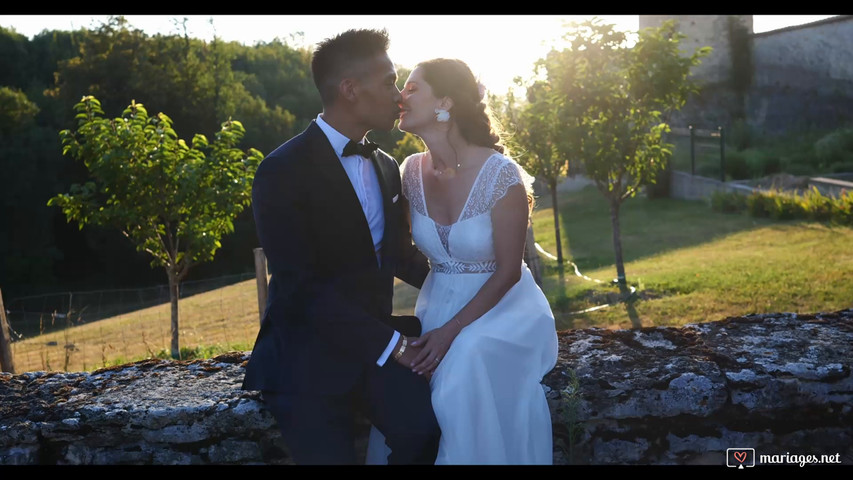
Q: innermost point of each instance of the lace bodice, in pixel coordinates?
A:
(466, 245)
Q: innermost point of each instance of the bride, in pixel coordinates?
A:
(489, 334)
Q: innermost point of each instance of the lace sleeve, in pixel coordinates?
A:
(510, 173)
(411, 182)
(406, 171)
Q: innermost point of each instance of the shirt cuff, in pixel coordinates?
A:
(388, 349)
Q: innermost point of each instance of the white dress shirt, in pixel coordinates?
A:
(365, 182)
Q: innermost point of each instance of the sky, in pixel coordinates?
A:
(496, 47)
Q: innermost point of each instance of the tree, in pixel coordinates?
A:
(17, 112)
(27, 254)
(611, 103)
(740, 51)
(535, 137)
(172, 200)
(408, 145)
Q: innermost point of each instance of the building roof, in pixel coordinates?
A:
(837, 18)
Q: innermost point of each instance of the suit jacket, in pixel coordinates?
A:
(328, 314)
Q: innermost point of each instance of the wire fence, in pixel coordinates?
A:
(84, 330)
(699, 151)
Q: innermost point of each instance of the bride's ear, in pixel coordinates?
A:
(446, 103)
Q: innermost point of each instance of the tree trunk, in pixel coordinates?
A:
(617, 245)
(174, 286)
(7, 361)
(553, 187)
(531, 256)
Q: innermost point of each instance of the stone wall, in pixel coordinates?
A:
(779, 383)
(694, 187)
(814, 56)
(704, 31)
(802, 76)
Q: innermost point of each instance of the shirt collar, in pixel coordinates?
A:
(336, 138)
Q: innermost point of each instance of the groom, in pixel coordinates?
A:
(330, 218)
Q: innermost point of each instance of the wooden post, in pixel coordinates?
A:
(722, 155)
(261, 277)
(7, 363)
(692, 150)
(531, 256)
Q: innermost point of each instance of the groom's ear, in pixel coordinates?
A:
(347, 89)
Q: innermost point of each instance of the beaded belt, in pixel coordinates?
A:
(464, 267)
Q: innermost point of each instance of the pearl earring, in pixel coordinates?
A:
(442, 115)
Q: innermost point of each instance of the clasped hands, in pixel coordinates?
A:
(423, 354)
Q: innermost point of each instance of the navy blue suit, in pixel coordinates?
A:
(328, 315)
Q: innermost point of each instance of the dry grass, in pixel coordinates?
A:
(225, 319)
(689, 264)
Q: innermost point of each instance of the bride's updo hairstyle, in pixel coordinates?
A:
(453, 78)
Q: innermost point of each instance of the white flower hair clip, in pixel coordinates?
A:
(482, 89)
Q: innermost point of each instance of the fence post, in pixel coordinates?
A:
(261, 278)
(692, 150)
(7, 363)
(722, 155)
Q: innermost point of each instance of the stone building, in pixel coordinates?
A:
(797, 77)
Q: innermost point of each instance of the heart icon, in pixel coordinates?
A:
(740, 456)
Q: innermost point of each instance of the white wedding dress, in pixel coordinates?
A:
(486, 392)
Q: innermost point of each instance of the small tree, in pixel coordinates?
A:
(170, 199)
(535, 137)
(408, 145)
(614, 101)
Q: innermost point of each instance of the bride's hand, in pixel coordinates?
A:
(434, 346)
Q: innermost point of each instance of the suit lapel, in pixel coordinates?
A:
(346, 214)
(386, 183)
(382, 172)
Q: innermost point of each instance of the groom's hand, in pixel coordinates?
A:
(410, 354)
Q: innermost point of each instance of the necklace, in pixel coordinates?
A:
(438, 172)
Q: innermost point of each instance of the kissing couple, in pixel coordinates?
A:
(338, 219)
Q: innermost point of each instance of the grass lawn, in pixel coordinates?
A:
(688, 264)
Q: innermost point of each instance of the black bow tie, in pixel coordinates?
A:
(365, 150)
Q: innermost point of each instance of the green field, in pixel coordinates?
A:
(690, 264)
(687, 263)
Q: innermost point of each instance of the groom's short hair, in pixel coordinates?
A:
(340, 56)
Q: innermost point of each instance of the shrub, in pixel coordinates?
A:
(736, 166)
(817, 207)
(760, 163)
(740, 135)
(728, 202)
(759, 204)
(812, 205)
(803, 160)
(842, 167)
(834, 147)
(842, 214)
(799, 169)
(782, 206)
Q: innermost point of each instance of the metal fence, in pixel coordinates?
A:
(33, 315)
(699, 151)
(84, 330)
